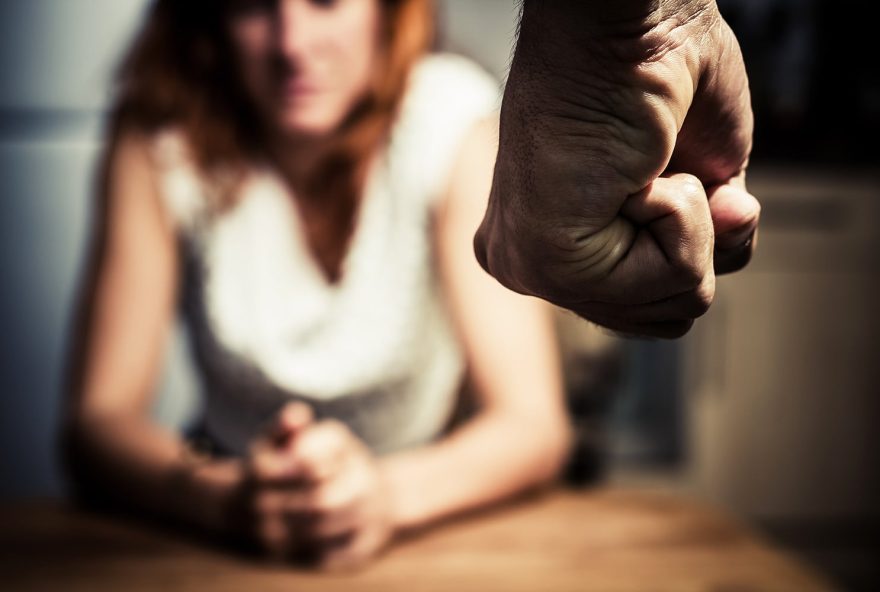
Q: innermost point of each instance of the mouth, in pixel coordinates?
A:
(296, 90)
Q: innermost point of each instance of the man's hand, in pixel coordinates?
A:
(619, 186)
(318, 493)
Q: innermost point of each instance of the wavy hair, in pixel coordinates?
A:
(176, 73)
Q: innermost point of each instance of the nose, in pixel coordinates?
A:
(292, 30)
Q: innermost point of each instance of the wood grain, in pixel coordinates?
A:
(605, 540)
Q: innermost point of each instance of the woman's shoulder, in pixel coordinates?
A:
(448, 83)
(442, 64)
(181, 186)
(448, 96)
(169, 148)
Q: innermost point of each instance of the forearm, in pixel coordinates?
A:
(492, 457)
(610, 14)
(129, 461)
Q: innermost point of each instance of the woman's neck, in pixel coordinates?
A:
(296, 159)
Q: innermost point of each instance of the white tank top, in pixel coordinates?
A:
(375, 350)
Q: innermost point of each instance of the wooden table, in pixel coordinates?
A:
(605, 540)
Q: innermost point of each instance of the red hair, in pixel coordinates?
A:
(177, 73)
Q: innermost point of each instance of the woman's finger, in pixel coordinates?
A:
(293, 418)
(270, 459)
(322, 450)
(271, 465)
(351, 552)
(273, 535)
(337, 507)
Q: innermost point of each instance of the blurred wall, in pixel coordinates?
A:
(54, 61)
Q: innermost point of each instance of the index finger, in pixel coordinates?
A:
(323, 450)
(270, 456)
(291, 419)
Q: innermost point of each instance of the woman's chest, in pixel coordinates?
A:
(264, 295)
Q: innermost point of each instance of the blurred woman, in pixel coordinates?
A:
(303, 181)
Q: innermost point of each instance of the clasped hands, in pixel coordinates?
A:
(619, 188)
(315, 493)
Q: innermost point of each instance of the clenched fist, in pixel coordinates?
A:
(619, 188)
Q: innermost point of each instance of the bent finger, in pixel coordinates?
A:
(293, 418)
(686, 306)
(658, 330)
(322, 450)
(735, 213)
(672, 252)
(735, 216)
(269, 465)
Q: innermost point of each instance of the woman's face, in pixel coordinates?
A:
(305, 63)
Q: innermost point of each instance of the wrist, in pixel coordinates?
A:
(613, 13)
(625, 30)
(210, 493)
(403, 502)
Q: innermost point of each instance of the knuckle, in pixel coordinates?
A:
(702, 303)
(691, 274)
(692, 265)
(337, 428)
(691, 188)
(669, 329)
(755, 218)
(702, 297)
(328, 528)
(260, 506)
(270, 534)
(266, 505)
(325, 502)
(260, 467)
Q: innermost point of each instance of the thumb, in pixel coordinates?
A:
(269, 458)
(292, 419)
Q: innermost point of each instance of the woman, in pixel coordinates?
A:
(306, 183)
